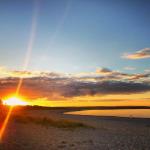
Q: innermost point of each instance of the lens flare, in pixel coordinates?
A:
(2, 130)
(60, 24)
(25, 65)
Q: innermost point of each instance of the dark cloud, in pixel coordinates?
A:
(105, 87)
(64, 87)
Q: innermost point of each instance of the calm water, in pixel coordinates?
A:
(137, 113)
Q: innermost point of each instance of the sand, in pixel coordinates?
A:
(101, 133)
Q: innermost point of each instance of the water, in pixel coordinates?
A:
(134, 113)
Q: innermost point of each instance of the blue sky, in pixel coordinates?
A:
(75, 35)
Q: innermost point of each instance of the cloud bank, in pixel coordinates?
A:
(55, 86)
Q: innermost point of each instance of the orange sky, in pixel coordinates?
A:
(110, 100)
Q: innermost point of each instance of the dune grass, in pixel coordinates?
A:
(19, 117)
(60, 123)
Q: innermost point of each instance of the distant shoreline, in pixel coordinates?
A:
(88, 107)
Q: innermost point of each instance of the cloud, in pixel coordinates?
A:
(111, 74)
(107, 74)
(130, 68)
(103, 71)
(141, 54)
(147, 70)
(55, 86)
(4, 72)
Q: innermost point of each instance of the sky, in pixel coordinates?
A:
(76, 52)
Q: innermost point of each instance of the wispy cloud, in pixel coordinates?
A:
(147, 70)
(129, 68)
(141, 54)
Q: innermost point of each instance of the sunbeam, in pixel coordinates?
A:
(60, 24)
(25, 63)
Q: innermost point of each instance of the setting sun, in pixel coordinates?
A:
(13, 101)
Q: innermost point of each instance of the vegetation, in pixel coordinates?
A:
(61, 123)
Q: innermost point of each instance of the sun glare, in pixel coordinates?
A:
(14, 101)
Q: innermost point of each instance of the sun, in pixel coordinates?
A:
(14, 101)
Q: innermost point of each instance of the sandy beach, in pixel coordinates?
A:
(97, 133)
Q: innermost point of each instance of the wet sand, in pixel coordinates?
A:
(101, 133)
